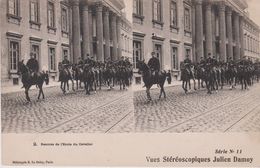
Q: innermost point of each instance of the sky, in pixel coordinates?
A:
(254, 10)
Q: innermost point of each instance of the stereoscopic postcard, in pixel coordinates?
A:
(130, 83)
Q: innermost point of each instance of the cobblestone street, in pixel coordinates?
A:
(103, 112)
(225, 111)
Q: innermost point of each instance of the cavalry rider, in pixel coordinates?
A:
(127, 62)
(187, 64)
(243, 62)
(202, 62)
(154, 65)
(65, 64)
(214, 61)
(33, 65)
(121, 63)
(209, 60)
(80, 62)
(89, 61)
(230, 62)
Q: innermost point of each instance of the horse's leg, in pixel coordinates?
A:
(186, 86)
(27, 93)
(164, 94)
(61, 85)
(64, 87)
(194, 84)
(160, 92)
(40, 92)
(148, 93)
(43, 97)
(208, 86)
(183, 86)
(95, 84)
(86, 87)
(72, 85)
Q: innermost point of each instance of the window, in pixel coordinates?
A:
(52, 61)
(35, 49)
(174, 58)
(64, 19)
(158, 52)
(187, 20)
(51, 19)
(137, 8)
(187, 52)
(14, 53)
(157, 16)
(173, 13)
(137, 54)
(65, 52)
(13, 7)
(34, 11)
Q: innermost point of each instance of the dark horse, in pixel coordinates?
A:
(88, 78)
(65, 76)
(28, 80)
(109, 76)
(186, 76)
(122, 77)
(150, 80)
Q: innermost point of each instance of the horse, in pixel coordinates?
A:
(28, 80)
(109, 76)
(200, 75)
(242, 73)
(78, 74)
(149, 79)
(65, 76)
(88, 78)
(221, 75)
(231, 74)
(186, 75)
(122, 77)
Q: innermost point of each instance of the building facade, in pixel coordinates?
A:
(33, 26)
(223, 29)
(165, 27)
(126, 39)
(52, 29)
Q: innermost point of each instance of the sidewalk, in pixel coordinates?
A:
(17, 88)
(140, 86)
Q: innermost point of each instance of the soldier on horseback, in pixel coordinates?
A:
(202, 62)
(33, 66)
(66, 63)
(121, 63)
(230, 62)
(154, 65)
(187, 64)
(89, 61)
(209, 61)
(80, 62)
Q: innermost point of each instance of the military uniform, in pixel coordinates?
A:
(154, 64)
(33, 65)
(65, 62)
